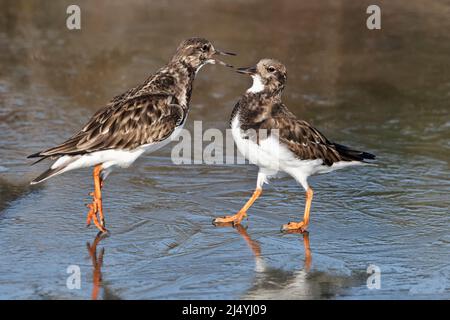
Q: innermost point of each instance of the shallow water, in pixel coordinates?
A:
(385, 91)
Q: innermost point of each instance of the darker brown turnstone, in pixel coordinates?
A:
(288, 145)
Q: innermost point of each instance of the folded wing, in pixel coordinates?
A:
(308, 143)
(138, 121)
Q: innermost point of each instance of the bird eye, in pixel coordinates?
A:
(271, 69)
(205, 48)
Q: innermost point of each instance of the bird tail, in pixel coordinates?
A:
(60, 166)
(353, 155)
(48, 174)
(35, 155)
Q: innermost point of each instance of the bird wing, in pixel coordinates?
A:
(308, 143)
(137, 121)
(305, 141)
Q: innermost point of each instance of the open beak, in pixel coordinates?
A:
(250, 71)
(222, 53)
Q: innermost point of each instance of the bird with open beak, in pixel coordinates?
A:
(273, 138)
(142, 119)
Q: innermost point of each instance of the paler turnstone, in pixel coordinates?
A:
(270, 136)
(143, 119)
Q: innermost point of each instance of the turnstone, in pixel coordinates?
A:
(270, 136)
(142, 119)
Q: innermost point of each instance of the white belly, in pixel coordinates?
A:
(268, 154)
(273, 158)
(253, 152)
(110, 158)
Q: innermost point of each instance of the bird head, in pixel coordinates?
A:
(268, 75)
(196, 52)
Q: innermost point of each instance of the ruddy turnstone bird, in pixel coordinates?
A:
(270, 136)
(142, 119)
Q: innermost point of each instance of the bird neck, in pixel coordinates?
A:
(183, 75)
(264, 97)
(176, 78)
(255, 107)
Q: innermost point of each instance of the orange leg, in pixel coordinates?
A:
(96, 206)
(92, 215)
(237, 218)
(98, 193)
(303, 225)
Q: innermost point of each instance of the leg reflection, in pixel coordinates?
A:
(252, 244)
(256, 247)
(307, 248)
(97, 262)
(272, 279)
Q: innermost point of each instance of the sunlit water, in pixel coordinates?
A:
(385, 91)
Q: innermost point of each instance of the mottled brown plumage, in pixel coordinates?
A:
(141, 119)
(265, 110)
(145, 114)
(271, 137)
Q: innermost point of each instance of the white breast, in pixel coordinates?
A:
(268, 154)
(257, 86)
(272, 157)
(110, 158)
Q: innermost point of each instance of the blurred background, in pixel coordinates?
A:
(384, 91)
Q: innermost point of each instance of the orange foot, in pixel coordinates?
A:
(294, 227)
(233, 220)
(92, 215)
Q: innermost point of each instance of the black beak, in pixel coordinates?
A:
(251, 70)
(223, 53)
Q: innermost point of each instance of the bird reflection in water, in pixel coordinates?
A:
(295, 282)
(275, 283)
(256, 248)
(97, 262)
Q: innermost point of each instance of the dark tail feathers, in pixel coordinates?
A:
(47, 174)
(353, 155)
(37, 155)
